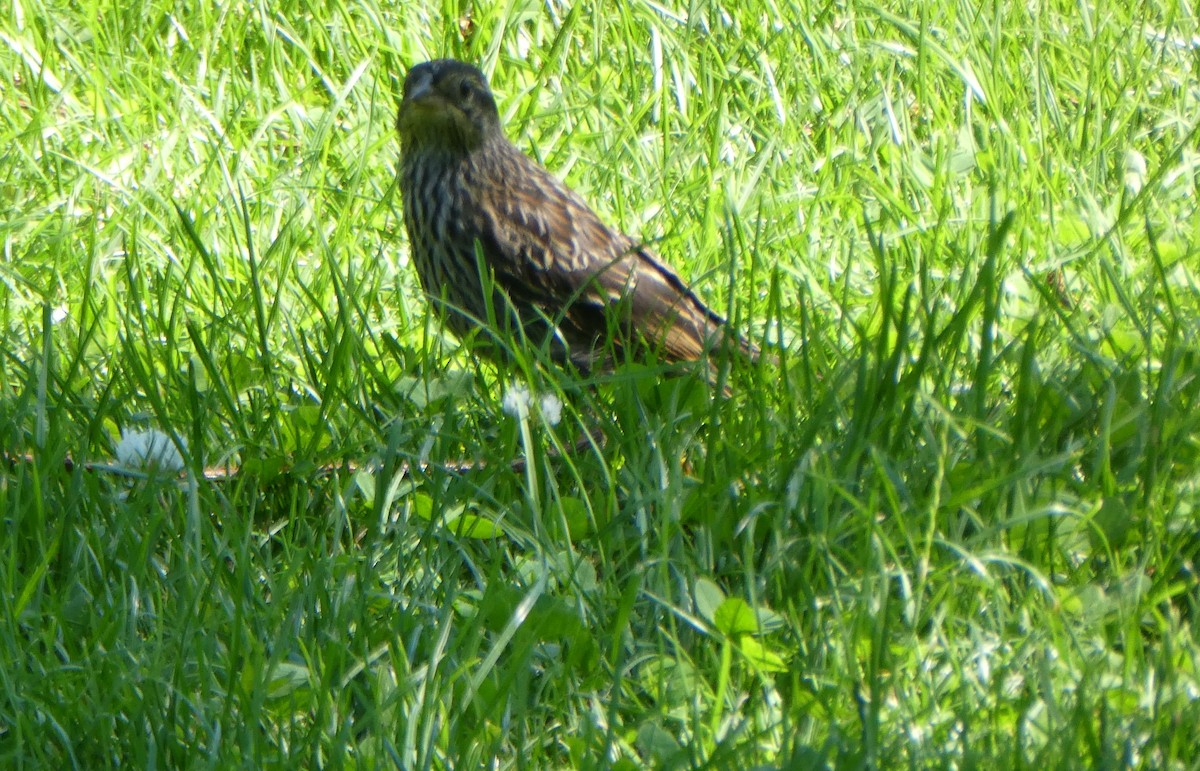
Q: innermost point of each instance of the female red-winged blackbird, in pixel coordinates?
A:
(474, 205)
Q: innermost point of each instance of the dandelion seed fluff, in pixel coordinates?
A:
(551, 408)
(516, 401)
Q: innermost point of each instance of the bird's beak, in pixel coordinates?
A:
(421, 90)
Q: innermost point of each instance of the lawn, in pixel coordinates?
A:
(954, 524)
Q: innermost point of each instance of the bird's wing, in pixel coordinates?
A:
(548, 247)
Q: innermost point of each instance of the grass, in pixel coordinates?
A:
(956, 526)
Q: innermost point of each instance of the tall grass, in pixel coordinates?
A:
(954, 525)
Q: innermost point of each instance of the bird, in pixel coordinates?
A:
(481, 214)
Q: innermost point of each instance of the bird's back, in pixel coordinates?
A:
(551, 253)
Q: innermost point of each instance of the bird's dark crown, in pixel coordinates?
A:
(447, 103)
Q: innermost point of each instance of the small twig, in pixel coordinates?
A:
(227, 473)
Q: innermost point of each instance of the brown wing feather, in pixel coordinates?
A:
(544, 241)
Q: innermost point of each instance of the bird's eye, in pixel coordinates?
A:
(464, 89)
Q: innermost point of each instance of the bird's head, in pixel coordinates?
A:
(447, 104)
